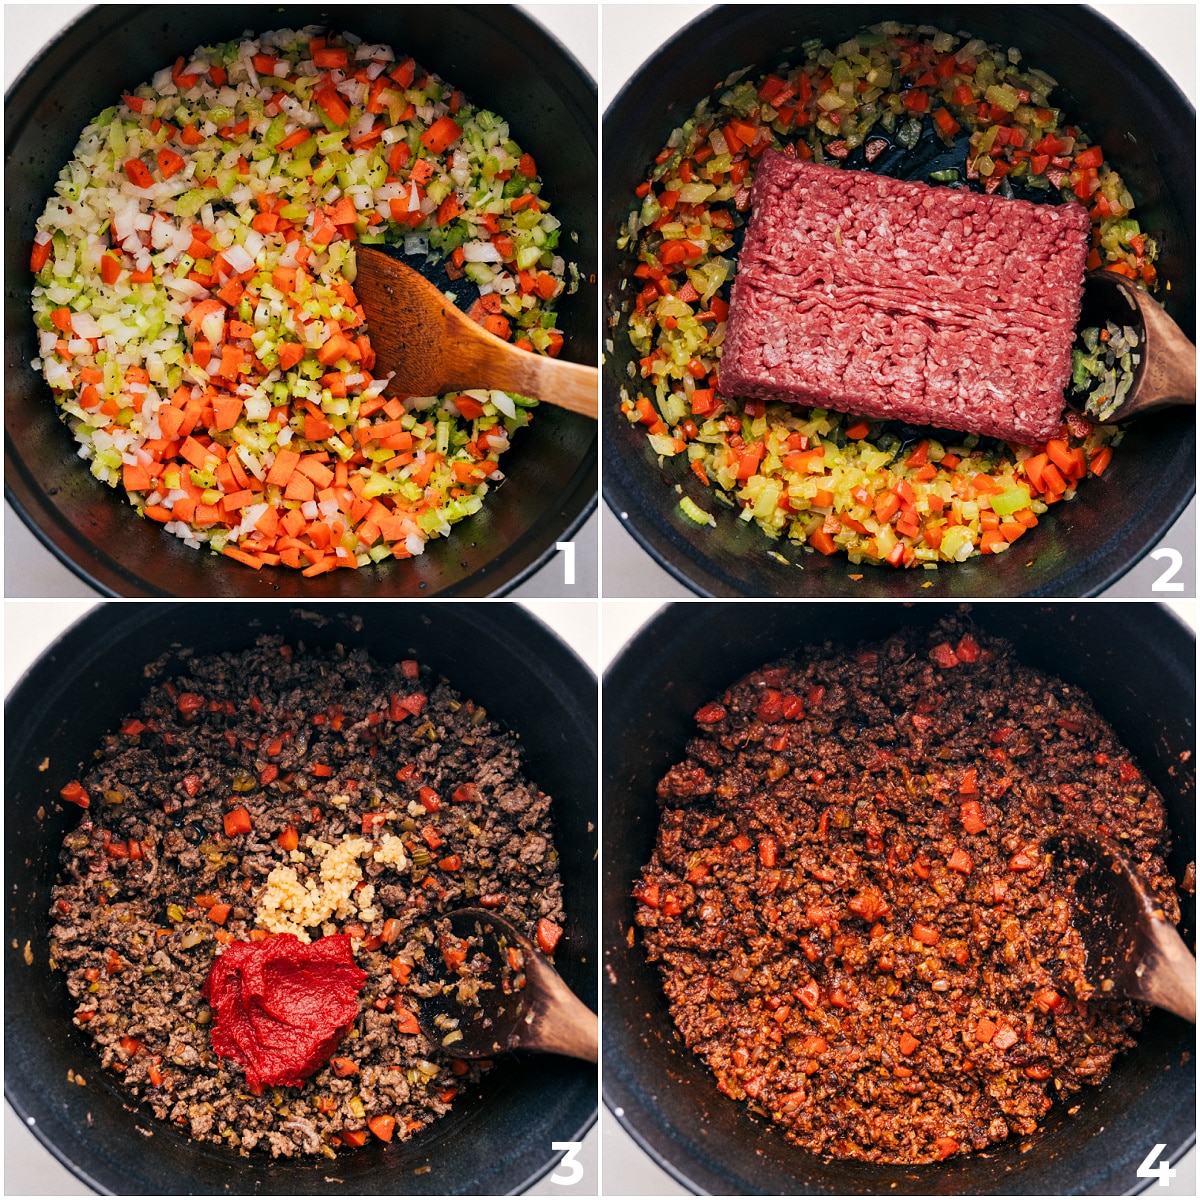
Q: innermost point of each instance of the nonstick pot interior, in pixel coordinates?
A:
(1147, 128)
(1137, 664)
(496, 1142)
(502, 59)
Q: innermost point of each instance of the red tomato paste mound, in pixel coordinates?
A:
(281, 1006)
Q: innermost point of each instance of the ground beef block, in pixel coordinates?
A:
(886, 298)
(852, 903)
(317, 747)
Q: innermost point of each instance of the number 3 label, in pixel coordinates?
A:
(1164, 1172)
(574, 1168)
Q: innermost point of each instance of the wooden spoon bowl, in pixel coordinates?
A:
(1166, 374)
(513, 999)
(1132, 949)
(433, 347)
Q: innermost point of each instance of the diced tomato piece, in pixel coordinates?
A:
(548, 935)
(237, 821)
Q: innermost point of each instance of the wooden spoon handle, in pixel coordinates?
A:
(1170, 359)
(565, 384)
(1169, 977)
(562, 1023)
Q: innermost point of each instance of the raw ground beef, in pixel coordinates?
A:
(851, 901)
(332, 746)
(888, 298)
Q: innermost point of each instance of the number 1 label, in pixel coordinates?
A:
(568, 553)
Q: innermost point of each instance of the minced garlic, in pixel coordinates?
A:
(288, 906)
(391, 852)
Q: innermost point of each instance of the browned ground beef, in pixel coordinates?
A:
(852, 906)
(316, 742)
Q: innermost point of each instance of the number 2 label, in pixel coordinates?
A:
(1164, 582)
(1164, 1172)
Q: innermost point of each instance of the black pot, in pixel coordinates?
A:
(1148, 130)
(498, 1141)
(1136, 661)
(502, 59)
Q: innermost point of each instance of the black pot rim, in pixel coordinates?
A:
(628, 1092)
(513, 565)
(29, 1096)
(642, 517)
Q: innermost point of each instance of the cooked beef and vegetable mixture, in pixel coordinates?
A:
(251, 906)
(852, 903)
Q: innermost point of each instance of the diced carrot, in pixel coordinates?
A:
(226, 410)
(232, 359)
(40, 255)
(382, 1126)
(497, 325)
(193, 452)
(299, 488)
(169, 163)
(1052, 481)
(330, 57)
(290, 353)
(442, 134)
(135, 477)
(406, 1021)
(336, 347)
(137, 173)
(237, 821)
(450, 208)
(316, 470)
(960, 860)
(185, 509)
(1034, 465)
(232, 501)
(343, 212)
(281, 470)
(332, 105)
(822, 541)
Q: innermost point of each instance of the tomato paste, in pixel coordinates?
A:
(281, 1007)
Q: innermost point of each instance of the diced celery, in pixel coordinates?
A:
(694, 512)
(1010, 501)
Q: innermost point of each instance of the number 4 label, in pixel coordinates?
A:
(574, 1168)
(1164, 1172)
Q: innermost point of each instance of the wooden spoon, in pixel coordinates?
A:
(527, 1008)
(434, 347)
(1132, 949)
(1166, 374)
